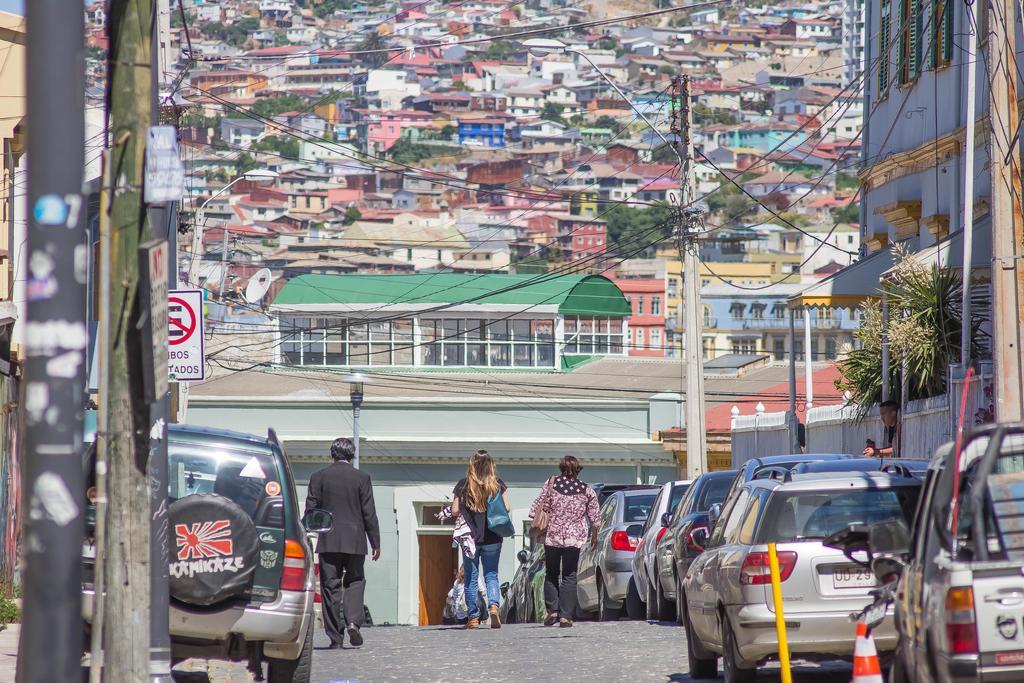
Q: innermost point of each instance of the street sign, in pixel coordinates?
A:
(186, 354)
(165, 174)
(153, 290)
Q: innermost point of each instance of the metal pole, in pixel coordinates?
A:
(968, 234)
(1007, 221)
(696, 436)
(794, 435)
(50, 648)
(355, 429)
(162, 222)
(780, 617)
(223, 265)
(808, 359)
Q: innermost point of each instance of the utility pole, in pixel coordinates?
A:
(53, 483)
(126, 634)
(1007, 219)
(690, 223)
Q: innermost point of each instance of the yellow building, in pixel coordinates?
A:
(12, 112)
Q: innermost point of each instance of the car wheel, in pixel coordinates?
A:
(730, 658)
(898, 671)
(634, 605)
(700, 667)
(665, 608)
(293, 670)
(680, 603)
(605, 610)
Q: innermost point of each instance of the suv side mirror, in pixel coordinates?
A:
(890, 538)
(523, 556)
(886, 568)
(317, 521)
(666, 518)
(714, 512)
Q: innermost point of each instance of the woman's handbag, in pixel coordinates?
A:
(498, 520)
(539, 525)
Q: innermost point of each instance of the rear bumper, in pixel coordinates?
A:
(967, 669)
(280, 625)
(810, 635)
(617, 583)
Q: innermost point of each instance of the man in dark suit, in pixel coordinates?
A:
(346, 493)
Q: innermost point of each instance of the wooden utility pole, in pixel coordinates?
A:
(125, 436)
(52, 484)
(1007, 219)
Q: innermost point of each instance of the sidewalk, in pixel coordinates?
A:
(9, 651)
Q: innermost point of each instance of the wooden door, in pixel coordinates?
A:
(438, 565)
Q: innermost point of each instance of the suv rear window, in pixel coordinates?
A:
(638, 507)
(809, 515)
(249, 478)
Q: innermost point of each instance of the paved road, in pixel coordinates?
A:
(623, 651)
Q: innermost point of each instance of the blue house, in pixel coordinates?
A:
(483, 132)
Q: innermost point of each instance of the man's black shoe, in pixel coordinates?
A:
(335, 646)
(354, 636)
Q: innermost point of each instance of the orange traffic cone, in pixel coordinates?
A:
(866, 668)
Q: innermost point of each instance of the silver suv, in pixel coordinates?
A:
(241, 566)
(646, 583)
(606, 567)
(729, 610)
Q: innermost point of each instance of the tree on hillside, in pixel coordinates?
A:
(283, 145)
(272, 106)
(553, 112)
(630, 228)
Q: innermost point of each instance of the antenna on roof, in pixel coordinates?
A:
(258, 285)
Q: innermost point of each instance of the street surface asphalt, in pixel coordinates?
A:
(622, 651)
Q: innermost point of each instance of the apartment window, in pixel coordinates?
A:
(639, 337)
(942, 33)
(639, 305)
(884, 36)
(707, 347)
(655, 305)
(830, 349)
(596, 335)
(736, 310)
(757, 310)
(798, 349)
(494, 343)
(655, 339)
(779, 311)
(779, 349)
(340, 342)
(744, 346)
(910, 15)
(707, 316)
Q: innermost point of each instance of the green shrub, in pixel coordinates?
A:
(10, 613)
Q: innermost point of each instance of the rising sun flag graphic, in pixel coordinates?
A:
(206, 539)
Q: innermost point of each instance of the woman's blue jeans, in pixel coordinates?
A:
(487, 556)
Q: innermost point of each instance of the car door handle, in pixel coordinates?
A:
(1006, 599)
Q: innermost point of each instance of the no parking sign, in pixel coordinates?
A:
(186, 359)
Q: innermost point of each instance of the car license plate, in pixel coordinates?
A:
(1007, 658)
(852, 577)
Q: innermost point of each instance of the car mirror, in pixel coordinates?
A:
(699, 537)
(714, 512)
(853, 542)
(317, 521)
(890, 539)
(666, 518)
(886, 568)
(635, 530)
(523, 556)
(504, 589)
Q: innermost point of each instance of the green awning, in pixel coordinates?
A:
(571, 294)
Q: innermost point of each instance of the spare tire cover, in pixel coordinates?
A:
(213, 549)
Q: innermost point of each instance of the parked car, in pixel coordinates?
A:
(729, 610)
(524, 596)
(605, 490)
(606, 566)
(241, 572)
(687, 531)
(909, 468)
(777, 466)
(644, 583)
(960, 602)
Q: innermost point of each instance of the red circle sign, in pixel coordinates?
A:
(186, 324)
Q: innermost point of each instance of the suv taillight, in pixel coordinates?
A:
(961, 629)
(757, 571)
(293, 575)
(623, 541)
(690, 536)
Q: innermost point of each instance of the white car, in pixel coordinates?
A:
(644, 582)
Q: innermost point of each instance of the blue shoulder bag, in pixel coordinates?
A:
(498, 520)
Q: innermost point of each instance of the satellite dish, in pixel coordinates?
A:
(258, 285)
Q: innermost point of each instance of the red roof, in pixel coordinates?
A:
(719, 418)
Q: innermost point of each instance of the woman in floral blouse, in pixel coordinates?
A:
(571, 506)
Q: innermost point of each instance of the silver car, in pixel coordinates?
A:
(645, 573)
(606, 566)
(729, 608)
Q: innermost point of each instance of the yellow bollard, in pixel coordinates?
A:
(780, 617)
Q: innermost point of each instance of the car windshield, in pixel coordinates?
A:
(714, 492)
(812, 515)
(250, 479)
(638, 507)
(678, 491)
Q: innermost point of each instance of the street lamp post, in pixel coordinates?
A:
(200, 219)
(696, 435)
(355, 394)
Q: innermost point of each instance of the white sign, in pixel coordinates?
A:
(186, 354)
(165, 174)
